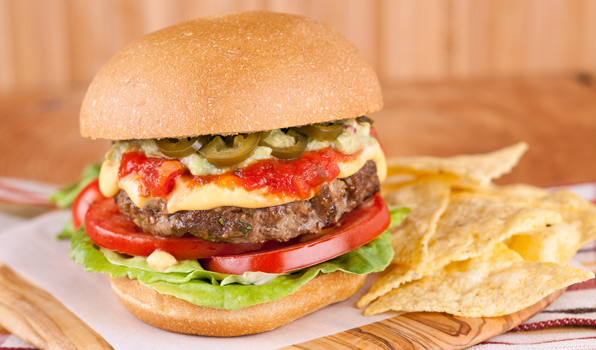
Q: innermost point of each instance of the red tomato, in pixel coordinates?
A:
(358, 227)
(85, 198)
(109, 229)
(373, 132)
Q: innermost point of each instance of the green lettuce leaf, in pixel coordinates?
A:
(68, 230)
(66, 196)
(189, 281)
(398, 215)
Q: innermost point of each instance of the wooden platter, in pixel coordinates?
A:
(426, 331)
(35, 316)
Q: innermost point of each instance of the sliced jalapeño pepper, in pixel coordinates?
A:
(364, 119)
(321, 131)
(178, 148)
(291, 152)
(232, 150)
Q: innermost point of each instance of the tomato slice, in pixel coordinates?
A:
(89, 195)
(109, 229)
(357, 228)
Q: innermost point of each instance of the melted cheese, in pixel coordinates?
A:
(185, 196)
(108, 178)
(374, 153)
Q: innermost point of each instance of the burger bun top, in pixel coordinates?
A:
(237, 73)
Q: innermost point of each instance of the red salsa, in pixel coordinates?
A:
(297, 177)
(157, 176)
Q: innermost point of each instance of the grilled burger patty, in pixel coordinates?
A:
(253, 225)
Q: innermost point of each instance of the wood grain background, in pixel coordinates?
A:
(556, 116)
(62, 43)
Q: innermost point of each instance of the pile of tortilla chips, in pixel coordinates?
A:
(474, 249)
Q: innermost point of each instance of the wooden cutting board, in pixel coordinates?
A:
(426, 330)
(35, 316)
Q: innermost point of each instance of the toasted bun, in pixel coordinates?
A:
(242, 72)
(174, 314)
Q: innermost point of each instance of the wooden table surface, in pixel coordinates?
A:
(555, 115)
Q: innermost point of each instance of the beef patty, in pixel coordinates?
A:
(252, 225)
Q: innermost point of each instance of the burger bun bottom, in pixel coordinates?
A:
(177, 315)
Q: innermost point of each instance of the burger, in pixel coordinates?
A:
(241, 188)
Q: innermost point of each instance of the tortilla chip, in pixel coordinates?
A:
(470, 170)
(398, 275)
(557, 243)
(472, 224)
(405, 177)
(560, 242)
(496, 283)
(517, 193)
(450, 256)
(427, 201)
(573, 209)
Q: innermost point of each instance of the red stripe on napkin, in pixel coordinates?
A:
(536, 343)
(561, 322)
(589, 284)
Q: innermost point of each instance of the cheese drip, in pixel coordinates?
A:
(185, 196)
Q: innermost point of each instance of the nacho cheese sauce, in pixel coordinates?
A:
(260, 183)
(161, 260)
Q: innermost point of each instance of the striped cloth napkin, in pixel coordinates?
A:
(25, 193)
(568, 323)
